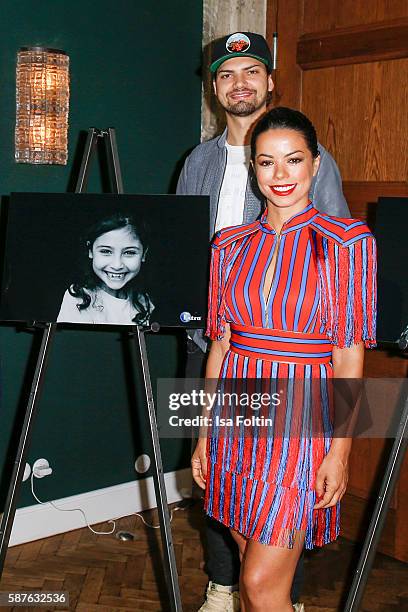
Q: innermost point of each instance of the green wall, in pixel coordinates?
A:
(134, 66)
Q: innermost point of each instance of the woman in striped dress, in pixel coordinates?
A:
(291, 305)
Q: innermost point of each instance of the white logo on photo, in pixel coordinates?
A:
(186, 317)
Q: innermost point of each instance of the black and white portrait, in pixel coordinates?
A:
(109, 287)
(106, 259)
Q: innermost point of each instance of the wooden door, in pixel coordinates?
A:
(344, 64)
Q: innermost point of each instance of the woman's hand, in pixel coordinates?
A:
(212, 372)
(331, 480)
(332, 475)
(199, 463)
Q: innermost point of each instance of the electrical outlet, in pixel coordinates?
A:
(41, 468)
(27, 472)
(142, 464)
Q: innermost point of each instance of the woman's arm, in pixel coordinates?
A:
(212, 372)
(332, 475)
(216, 355)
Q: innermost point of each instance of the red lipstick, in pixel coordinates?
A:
(282, 190)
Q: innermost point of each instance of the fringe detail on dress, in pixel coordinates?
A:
(216, 318)
(261, 479)
(270, 513)
(348, 285)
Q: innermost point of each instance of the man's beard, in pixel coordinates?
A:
(241, 108)
(244, 108)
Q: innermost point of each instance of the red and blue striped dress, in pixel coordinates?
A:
(261, 477)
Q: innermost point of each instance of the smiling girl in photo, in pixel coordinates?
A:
(110, 288)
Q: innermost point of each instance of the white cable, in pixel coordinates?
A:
(72, 510)
(158, 526)
(149, 524)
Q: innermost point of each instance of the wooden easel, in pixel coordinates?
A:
(138, 333)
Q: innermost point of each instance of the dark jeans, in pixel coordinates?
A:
(222, 552)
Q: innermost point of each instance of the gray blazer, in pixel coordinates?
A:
(204, 168)
(203, 173)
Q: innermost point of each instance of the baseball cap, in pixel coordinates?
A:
(240, 44)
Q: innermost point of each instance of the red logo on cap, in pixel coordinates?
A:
(238, 43)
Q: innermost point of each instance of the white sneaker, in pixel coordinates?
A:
(219, 598)
(299, 607)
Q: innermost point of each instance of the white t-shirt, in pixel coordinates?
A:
(232, 196)
(104, 308)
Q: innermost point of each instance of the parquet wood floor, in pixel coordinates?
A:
(104, 574)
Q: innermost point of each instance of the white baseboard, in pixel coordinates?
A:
(41, 521)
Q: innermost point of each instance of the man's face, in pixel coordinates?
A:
(242, 85)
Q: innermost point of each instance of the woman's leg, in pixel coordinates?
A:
(267, 575)
(241, 542)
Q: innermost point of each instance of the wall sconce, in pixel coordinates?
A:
(42, 103)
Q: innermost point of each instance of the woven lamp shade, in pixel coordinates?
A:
(42, 104)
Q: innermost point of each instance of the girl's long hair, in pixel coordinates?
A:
(87, 279)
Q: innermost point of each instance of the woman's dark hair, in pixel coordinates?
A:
(286, 118)
(136, 288)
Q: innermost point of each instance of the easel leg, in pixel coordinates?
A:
(379, 515)
(113, 161)
(170, 568)
(19, 464)
(89, 152)
(112, 156)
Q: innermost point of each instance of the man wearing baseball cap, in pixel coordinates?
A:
(240, 44)
(241, 66)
